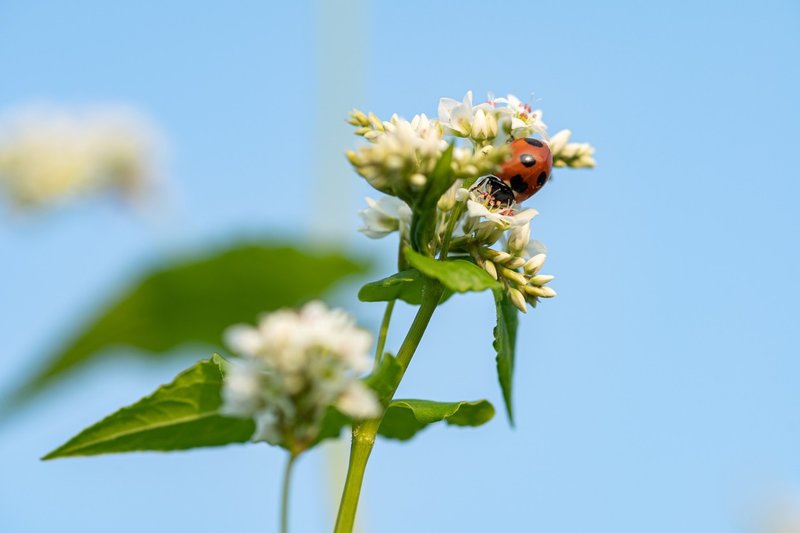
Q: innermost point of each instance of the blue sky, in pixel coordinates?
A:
(658, 392)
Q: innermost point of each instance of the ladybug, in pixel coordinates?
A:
(528, 169)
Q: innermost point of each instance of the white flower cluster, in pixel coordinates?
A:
(403, 153)
(50, 156)
(294, 365)
(496, 120)
(567, 154)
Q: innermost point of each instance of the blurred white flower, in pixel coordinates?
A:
(294, 365)
(384, 216)
(50, 156)
(567, 154)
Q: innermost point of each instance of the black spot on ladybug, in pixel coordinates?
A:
(518, 184)
(541, 180)
(527, 159)
(534, 142)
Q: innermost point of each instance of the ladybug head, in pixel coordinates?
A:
(494, 191)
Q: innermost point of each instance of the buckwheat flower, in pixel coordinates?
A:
(522, 119)
(456, 117)
(503, 218)
(50, 156)
(384, 216)
(567, 154)
(291, 367)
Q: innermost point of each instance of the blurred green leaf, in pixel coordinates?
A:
(423, 222)
(505, 340)
(405, 418)
(178, 416)
(193, 301)
(458, 275)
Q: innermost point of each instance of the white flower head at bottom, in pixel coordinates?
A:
(293, 365)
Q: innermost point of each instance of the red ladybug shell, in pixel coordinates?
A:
(528, 169)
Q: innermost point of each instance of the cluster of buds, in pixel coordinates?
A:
(520, 276)
(567, 154)
(50, 156)
(400, 157)
(517, 267)
(402, 153)
(294, 365)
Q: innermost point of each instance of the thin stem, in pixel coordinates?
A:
(387, 316)
(364, 432)
(287, 476)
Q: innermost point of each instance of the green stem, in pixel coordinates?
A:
(387, 316)
(287, 476)
(364, 433)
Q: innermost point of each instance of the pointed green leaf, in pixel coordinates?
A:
(423, 222)
(406, 286)
(458, 275)
(405, 418)
(193, 301)
(181, 415)
(505, 340)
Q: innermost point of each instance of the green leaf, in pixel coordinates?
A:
(385, 378)
(193, 301)
(458, 275)
(405, 418)
(505, 340)
(406, 286)
(178, 416)
(423, 222)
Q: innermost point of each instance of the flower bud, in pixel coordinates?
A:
(541, 279)
(488, 233)
(514, 276)
(542, 292)
(417, 181)
(517, 299)
(515, 262)
(518, 238)
(533, 264)
(489, 267)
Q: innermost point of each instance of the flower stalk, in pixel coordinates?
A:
(364, 432)
(286, 485)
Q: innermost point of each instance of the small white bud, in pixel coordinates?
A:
(517, 299)
(417, 181)
(489, 267)
(541, 279)
(515, 263)
(542, 292)
(518, 238)
(514, 276)
(501, 257)
(534, 263)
